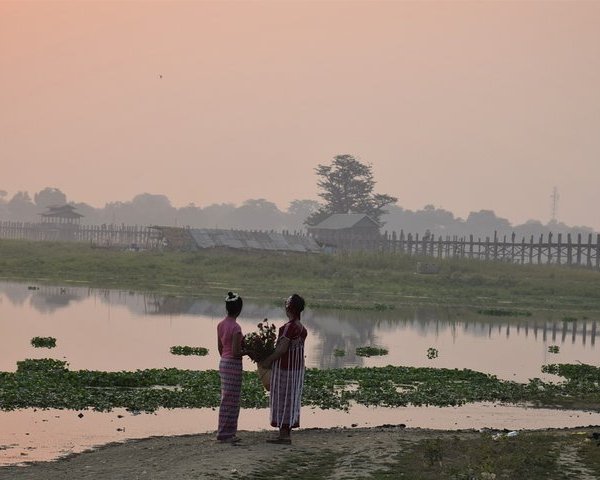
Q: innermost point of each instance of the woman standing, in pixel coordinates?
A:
(229, 341)
(287, 373)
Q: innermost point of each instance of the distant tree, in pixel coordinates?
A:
(216, 215)
(486, 221)
(190, 215)
(3, 207)
(143, 209)
(257, 213)
(20, 207)
(49, 196)
(347, 186)
(149, 208)
(298, 212)
(90, 214)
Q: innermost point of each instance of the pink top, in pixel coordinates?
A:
(225, 330)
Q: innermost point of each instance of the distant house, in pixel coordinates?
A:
(61, 214)
(60, 222)
(343, 228)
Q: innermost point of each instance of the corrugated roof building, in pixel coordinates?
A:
(343, 228)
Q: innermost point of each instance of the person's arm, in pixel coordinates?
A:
(219, 346)
(283, 344)
(236, 345)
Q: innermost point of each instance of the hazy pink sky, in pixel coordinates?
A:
(464, 105)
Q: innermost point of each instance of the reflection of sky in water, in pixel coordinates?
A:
(46, 434)
(119, 330)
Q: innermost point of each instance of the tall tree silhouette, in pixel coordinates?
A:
(347, 187)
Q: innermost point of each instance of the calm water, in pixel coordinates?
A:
(117, 330)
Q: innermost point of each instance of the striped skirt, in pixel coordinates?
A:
(286, 391)
(230, 371)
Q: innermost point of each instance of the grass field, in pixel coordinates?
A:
(361, 280)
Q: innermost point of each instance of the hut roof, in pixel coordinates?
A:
(341, 221)
(62, 211)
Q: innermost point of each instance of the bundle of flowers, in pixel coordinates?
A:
(260, 344)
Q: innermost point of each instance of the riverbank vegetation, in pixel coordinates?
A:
(360, 280)
(48, 383)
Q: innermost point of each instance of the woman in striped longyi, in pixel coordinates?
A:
(287, 372)
(229, 341)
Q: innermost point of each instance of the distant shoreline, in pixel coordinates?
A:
(361, 281)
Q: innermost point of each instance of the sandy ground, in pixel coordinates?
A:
(201, 457)
(358, 452)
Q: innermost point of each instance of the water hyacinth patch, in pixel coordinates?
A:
(43, 342)
(432, 353)
(553, 349)
(339, 352)
(498, 312)
(48, 383)
(185, 350)
(378, 307)
(370, 351)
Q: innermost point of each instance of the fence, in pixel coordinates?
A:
(550, 249)
(98, 235)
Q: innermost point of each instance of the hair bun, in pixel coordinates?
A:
(232, 297)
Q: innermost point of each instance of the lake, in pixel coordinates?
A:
(114, 330)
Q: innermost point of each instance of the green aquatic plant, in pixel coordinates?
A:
(48, 383)
(44, 365)
(498, 312)
(568, 318)
(432, 353)
(185, 350)
(378, 307)
(553, 349)
(339, 352)
(370, 351)
(43, 342)
(382, 306)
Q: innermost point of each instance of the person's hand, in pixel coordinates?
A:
(266, 363)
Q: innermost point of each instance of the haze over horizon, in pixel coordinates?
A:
(463, 105)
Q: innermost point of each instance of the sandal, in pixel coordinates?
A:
(279, 440)
(232, 440)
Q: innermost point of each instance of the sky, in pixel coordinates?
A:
(463, 105)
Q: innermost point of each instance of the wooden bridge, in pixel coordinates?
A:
(551, 249)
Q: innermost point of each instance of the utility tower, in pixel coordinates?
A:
(554, 197)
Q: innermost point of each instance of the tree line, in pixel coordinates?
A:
(261, 214)
(346, 185)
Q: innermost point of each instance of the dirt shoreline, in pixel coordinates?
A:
(202, 457)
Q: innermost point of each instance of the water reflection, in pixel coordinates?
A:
(114, 330)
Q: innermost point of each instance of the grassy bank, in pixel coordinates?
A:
(361, 280)
(448, 456)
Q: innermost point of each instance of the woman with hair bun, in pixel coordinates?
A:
(229, 342)
(287, 372)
